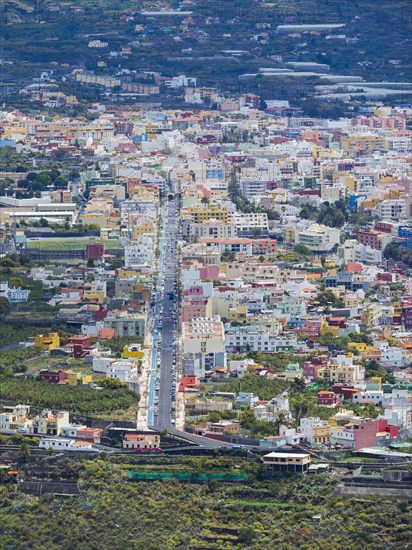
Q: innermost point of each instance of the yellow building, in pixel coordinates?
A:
(357, 346)
(78, 379)
(94, 295)
(326, 329)
(143, 229)
(279, 195)
(47, 342)
(371, 314)
(96, 218)
(151, 131)
(289, 235)
(133, 352)
(321, 434)
(325, 152)
(330, 263)
(339, 374)
(238, 314)
(367, 142)
(201, 214)
(50, 424)
(350, 182)
(125, 273)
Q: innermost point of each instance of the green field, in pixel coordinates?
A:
(67, 243)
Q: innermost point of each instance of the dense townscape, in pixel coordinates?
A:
(205, 291)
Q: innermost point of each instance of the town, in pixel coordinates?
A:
(228, 262)
(205, 288)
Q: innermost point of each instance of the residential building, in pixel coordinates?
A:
(278, 464)
(318, 238)
(205, 336)
(141, 441)
(315, 431)
(126, 324)
(47, 342)
(327, 399)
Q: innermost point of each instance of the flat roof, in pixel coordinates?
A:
(287, 455)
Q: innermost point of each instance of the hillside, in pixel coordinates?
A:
(374, 41)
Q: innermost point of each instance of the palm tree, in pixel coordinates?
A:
(24, 452)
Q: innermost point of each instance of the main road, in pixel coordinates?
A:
(166, 333)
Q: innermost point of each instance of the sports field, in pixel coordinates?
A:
(76, 243)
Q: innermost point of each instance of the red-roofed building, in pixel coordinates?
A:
(94, 251)
(327, 399)
(90, 434)
(107, 333)
(78, 345)
(353, 267)
(345, 392)
(140, 441)
(188, 382)
(337, 322)
(53, 377)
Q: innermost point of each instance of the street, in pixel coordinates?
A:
(164, 376)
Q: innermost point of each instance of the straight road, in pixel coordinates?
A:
(166, 335)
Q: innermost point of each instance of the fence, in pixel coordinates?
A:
(142, 476)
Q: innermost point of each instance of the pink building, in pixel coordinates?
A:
(389, 122)
(311, 368)
(362, 433)
(310, 328)
(194, 291)
(209, 272)
(194, 308)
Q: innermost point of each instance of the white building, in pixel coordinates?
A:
(273, 408)
(240, 366)
(207, 337)
(353, 251)
(64, 444)
(125, 371)
(101, 364)
(97, 44)
(309, 428)
(250, 224)
(13, 294)
(369, 396)
(251, 338)
(318, 238)
(181, 81)
(140, 252)
(391, 209)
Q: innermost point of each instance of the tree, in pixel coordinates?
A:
(227, 256)
(247, 534)
(328, 298)
(302, 250)
(4, 305)
(44, 222)
(24, 451)
(60, 182)
(262, 105)
(112, 383)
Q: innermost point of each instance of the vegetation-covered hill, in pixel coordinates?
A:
(374, 43)
(257, 515)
